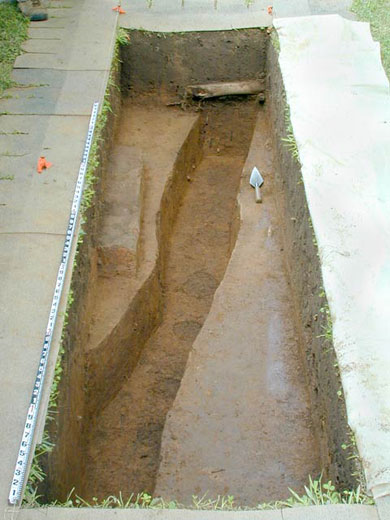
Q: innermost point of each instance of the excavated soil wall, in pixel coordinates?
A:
(177, 60)
(93, 377)
(106, 363)
(338, 453)
(68, 425)
(157, 67)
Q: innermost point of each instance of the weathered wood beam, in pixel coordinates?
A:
(234, 88)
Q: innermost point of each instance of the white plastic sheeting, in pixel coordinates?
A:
(340, 111)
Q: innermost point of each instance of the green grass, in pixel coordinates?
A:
(377, 12)
(13, 31)
(289, 141)
(316, 492)
(275, 40)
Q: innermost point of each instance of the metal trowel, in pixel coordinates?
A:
(256, 181)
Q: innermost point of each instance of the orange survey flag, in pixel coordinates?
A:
(119, 9)
(43, 164)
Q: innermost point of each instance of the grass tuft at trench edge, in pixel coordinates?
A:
(317, 493)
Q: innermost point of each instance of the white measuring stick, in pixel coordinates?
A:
(32, 414)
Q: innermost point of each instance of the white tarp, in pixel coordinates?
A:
(340, 110)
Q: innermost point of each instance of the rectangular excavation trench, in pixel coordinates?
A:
(170, 241)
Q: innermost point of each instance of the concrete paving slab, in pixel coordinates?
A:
(60, 21)
(80, 90)
(330, 6)
(28, 266)
(56, 513)
(41, 46)
(24, 136)
(45, 61)
(25, 78)
(58, 4)
(45, 33)
(383, 507)
(41, 203)
(60, 13)
(96, 43)
(294, 8)
(331, 512)
(282, 9)
(53, 92)
(14, 147)
(194, 15)
(47, 212)
(104, 18)
(205, 15)
(36, 92)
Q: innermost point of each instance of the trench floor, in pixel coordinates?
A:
(241, 421)
(125, 443)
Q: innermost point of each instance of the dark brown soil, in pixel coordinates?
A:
(168, 63)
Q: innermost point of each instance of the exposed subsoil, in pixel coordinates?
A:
(125, 439)
(155, 398)
(241, 422)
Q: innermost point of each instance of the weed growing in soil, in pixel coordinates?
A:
(325, 311)
(37, 475)
(122, 37)
(328, 329)
(377, 12)
(13, 31)
(289, 141)
(316, 493)
(275, 40)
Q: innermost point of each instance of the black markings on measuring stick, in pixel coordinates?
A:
(32, 413)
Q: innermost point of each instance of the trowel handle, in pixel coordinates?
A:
(258, 194)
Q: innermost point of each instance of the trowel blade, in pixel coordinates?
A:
(256, 179)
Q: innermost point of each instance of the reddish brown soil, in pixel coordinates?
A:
(124, 443)
(241, 421)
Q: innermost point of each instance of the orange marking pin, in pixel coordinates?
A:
(43, 164)
(119, 9)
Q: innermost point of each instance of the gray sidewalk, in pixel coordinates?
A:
(335, 512)
(217, 15)
(64, 70)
